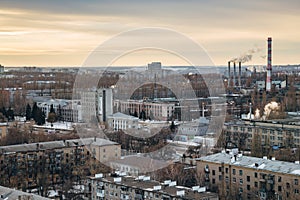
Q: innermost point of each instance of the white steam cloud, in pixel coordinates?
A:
(270, 108)
(247, 56)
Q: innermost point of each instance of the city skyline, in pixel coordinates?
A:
(64, 33)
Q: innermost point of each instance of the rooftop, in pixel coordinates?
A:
(254, 163)
(55, 145)
(123, 116)
(149, 185)
(140, 162)
(7, 193)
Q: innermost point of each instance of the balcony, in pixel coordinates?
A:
(100, 193)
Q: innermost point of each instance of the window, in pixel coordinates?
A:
(296, 191)
(248, 196)
(220, 169)
(234, 179)
(233, 171)
(213, 181)
(255, 184)
(279, 188)
(249, 129)
(241, 172)
(288, 185)
(226, 170)
(255, 174)
(241, 181)
(279, 179)
(213, 172)
(296, 181)
(220, 177)
(248, 178)
(248, 187)
(226, 179)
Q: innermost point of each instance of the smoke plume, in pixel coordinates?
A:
(271, 108)
(247, 56)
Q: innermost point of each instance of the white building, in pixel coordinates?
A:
(97, 103)
(153, 110)
(120, 121)
(68, 110)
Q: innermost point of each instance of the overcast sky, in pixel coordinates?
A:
(65, 32)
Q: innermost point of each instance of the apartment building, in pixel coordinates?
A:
(280, 134)
(235, 176)
(31, 165)
(3, 129)
(116, 187)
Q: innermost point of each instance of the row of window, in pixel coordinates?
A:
(296, 133)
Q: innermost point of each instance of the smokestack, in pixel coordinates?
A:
(234, 74)
(104, 105)
(269, 65)
(240, 73)
(228, 71)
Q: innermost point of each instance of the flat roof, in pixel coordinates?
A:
(254, 163)
(8, 193)
(149, 186)
(55, 145)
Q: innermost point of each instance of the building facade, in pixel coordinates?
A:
(154, 110)
(141, 188)
(3, 129)
(235, 176)
(120, 121)
(97, 103)
(242, 133)
(33, 165)
(66, 110)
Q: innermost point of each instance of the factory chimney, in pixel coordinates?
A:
(104, 105)
(234, 74)
(240, 74)
(228, 70)
(269, 66)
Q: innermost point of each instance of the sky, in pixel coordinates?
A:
(66, 32)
